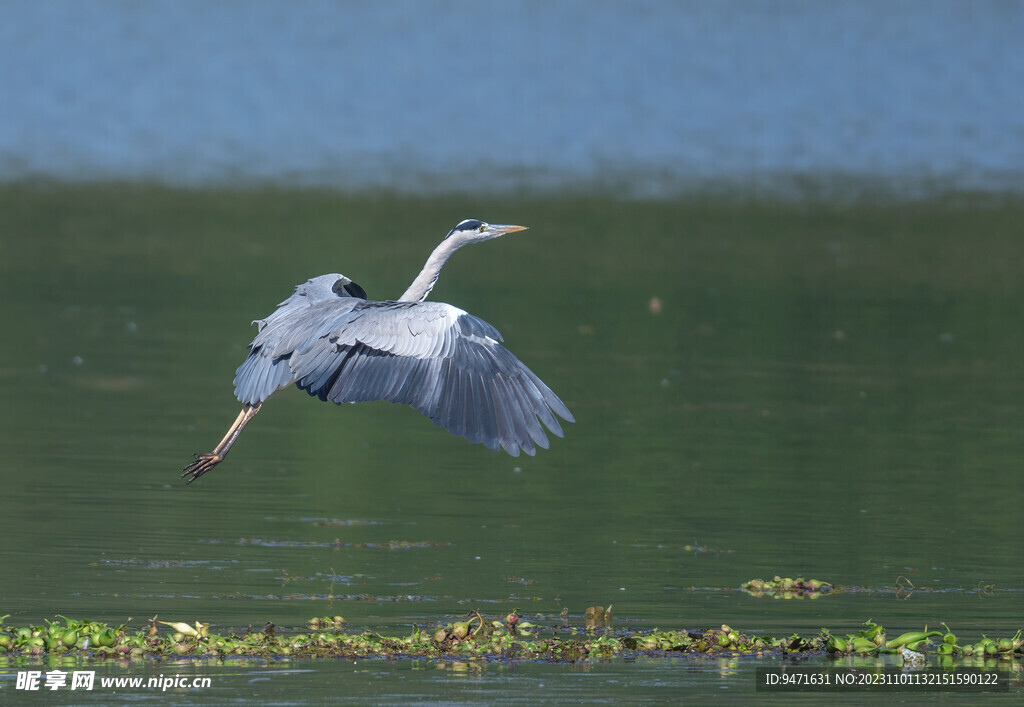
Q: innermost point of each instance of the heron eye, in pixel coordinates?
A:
(482, 229)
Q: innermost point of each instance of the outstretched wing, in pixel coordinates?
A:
(446, 363)
(292, 324)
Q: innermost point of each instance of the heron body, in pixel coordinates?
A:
(332, 342)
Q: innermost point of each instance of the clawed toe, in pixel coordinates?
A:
(202, 464)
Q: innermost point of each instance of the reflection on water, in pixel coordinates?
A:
(827, 392)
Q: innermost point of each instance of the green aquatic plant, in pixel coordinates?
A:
(787, 587)
(477, 637)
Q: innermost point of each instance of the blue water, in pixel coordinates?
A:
(426, 95)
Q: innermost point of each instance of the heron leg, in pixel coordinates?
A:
(204, 462)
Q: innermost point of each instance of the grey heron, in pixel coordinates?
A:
(335, 344)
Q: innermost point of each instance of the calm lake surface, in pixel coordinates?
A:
(832, 391)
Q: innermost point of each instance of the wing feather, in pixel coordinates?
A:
(503, 417)
(446, 363)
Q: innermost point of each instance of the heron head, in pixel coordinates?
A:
(472, 230)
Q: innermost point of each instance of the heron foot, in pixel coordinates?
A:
(202, 464)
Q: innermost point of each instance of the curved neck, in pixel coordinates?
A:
(424, 282)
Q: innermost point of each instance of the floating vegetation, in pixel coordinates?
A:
(511, 637)
(596, 616)
(912, 645)
(787, 588)
(318, 623)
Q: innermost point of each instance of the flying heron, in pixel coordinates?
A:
(335, 344)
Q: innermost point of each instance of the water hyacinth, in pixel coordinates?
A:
(477, 637)
(787, 587)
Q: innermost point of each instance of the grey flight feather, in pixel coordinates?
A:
(336, 345)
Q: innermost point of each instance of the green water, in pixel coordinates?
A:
(833, 391)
